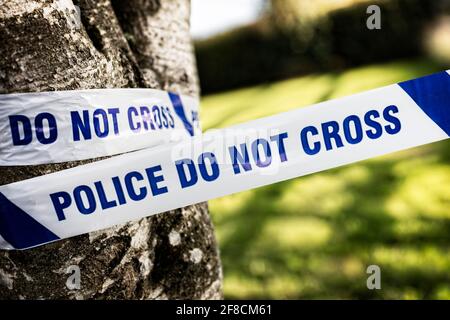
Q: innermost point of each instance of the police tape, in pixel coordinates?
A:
(261, 152)
(61, 126)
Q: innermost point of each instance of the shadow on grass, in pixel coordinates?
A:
(313, 237)
(280, 246)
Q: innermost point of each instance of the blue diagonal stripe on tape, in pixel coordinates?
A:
(20, 229)
(432, 94)
(179, 109)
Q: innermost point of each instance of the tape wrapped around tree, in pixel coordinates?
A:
(106, 44)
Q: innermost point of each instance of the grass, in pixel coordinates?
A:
(313, 237)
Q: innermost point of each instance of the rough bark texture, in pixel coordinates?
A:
(46, 45)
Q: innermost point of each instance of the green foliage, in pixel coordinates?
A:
(294, 41)
(314, 236)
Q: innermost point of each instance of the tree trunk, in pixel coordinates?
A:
(51, 45)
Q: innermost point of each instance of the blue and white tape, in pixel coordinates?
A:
(61, 126)
(261, 152)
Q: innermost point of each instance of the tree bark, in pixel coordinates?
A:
(50, 45)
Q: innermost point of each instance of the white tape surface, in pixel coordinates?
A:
(257, 153)
(63, 126)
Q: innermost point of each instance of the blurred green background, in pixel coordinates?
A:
(314, 236)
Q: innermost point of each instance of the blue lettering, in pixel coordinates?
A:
(358, 129)
(15, 132)
(214, 166)
(171, 119)
(113, 112)
(119, 190)
(157, 116)
(61, 200)
(279, 140)
(80, 125)
(130, 188)
(97, 127)
(132, 111)
(376, 130)
(79, 200)
(237, 158)
(102, 196)
(146, 118)
(52, 129)
(305, 144)
(165, 122)
(154, 180)
(393, 120)
(184, 180)
(267, 153)
(333, 134)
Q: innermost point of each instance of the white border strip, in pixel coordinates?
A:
(61, 126)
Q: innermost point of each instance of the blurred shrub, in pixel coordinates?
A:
(437, 40)
(287, 42)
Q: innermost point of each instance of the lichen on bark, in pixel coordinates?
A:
(51, 45)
